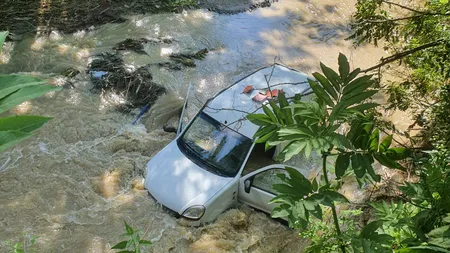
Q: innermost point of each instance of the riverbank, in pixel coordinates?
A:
(21, 17)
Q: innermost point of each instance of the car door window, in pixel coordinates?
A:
(266, 179)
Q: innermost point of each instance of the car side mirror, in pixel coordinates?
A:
(247, 185)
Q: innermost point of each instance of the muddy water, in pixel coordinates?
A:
(75, 182)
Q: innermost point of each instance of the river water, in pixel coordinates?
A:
(78, 179)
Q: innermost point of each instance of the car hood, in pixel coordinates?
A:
(178, 183)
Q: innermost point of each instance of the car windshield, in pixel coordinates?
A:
(214, 145)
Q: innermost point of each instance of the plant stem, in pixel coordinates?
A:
(333, 208)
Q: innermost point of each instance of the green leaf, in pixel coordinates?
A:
(284, 106)
(333, 196)
(386, 143)
(144, 242)
(398, 153)
(24, 94)
(370, 229)
(331, 75)
(342, 163)
(357, 86)
(3, 36)
(120, 245)
(344, 67)
(357, 165)
(293, 149)
(269, 113)
(384, 160)
(326, 85)
(280, 211)
(308, 149)
(423, 249)
(277, 111)
(265, 138)
(11, 137)
(373, 140)
(440, 237)
(24, 124)
(128, 228)
(265, 130)
(352, 76)
(259, 119)
(281, 199)
(320, 93)
(364, 107)
(298, 179)
(367, 163)
(12, 83)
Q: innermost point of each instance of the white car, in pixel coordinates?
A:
(214, 162)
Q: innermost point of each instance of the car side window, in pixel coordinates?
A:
(266, 179)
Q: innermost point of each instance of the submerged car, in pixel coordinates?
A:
(214, 162)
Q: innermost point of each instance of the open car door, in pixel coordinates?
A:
(255, 189)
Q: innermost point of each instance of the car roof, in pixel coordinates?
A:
(231, 106)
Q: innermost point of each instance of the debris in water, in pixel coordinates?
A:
(137, 45)
(181, 60)
(70, 72)
(108, 73)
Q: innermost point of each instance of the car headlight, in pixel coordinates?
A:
(194, 212)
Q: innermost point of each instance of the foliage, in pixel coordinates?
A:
(23, 246)
(134, 244)
(424, 220)
(419, 36)
(316, 127)
(15, 89)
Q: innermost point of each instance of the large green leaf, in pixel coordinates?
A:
(367, 164)
(331, 75)
(370, 229)
(320, 93)
(12, 83)
(373, 140)
(3, 36)
(357, 165)
(344, 66)
(278, 113)
(363, 81)
(326, 85)
(398, 153)
(352, 76)
(284, 106)
(260, 119)
(384, 160)
(269, 113)
(293, 149)
(280, 211)
(332, 196)
(11, 137)
(440, 237)
(386, 143)
(24, 124)
(342, 163)
(24, 94)
(120, 245)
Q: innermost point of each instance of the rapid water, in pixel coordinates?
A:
(78, 179)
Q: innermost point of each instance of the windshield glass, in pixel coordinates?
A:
(213, 144)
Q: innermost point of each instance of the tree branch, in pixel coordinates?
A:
(403, 7)
(401, 55)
